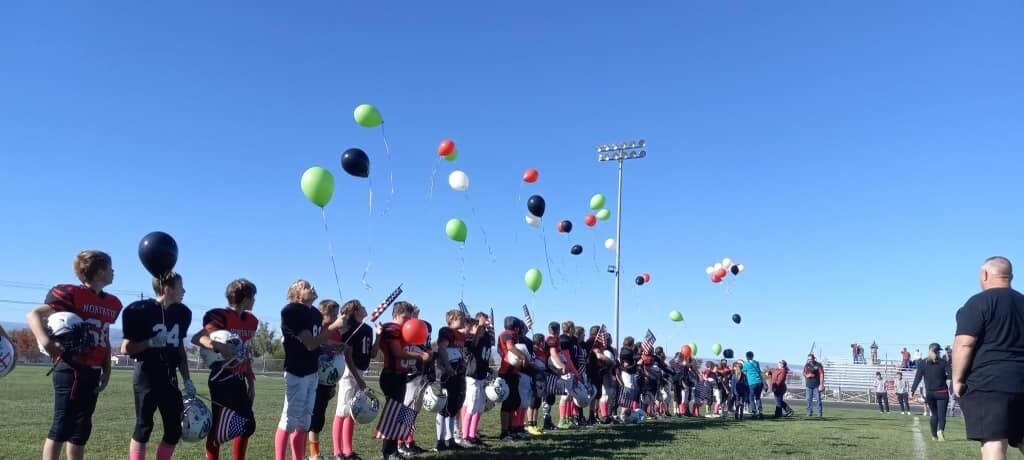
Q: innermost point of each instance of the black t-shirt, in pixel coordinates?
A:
(478, 354)
(361, 341)
(593, 364)
(627, 359)
(295, 318)
(143, 319)
(995, 317)
(814, 368)
(580, 355)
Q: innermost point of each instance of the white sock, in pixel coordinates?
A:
(441, 425)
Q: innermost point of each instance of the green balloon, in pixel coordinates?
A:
(456, 230)
(368, 116)
(452, 156)
(533, 279)
(693, 349)
(597, 202)
(674, 315)
(603, 214)
(716, 349)
(318, 185)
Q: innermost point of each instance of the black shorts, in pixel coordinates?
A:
(74, 400)
(455, 386)
(513, 401)
(157, 389)
(232, 393)
(392, 385)
(991, 416)
(324, 394)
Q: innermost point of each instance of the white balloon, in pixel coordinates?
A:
(739, 267)
(726, 263)
(709, 270)
(458, 181)
(534, 221)
(609, 244)
(718, 266)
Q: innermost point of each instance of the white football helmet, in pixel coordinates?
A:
(332, 366)
(210, 357)
(496, 390)
(581, 394)
(513, 359)
(608, 354)
(196, 421)
(434, 400)
(6, 357)
(365, 407)
(67, 329)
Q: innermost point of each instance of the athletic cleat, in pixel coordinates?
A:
(534, 430)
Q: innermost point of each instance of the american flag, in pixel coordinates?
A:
(627, 395)
(555, 385)
(527, 317)
(230, 425)
(464, 309)
(602, 337)
(647, 346)
(385, 304)
(398, 421)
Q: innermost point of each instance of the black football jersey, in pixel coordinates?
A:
(144, 319)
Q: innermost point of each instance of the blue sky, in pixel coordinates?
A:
(861, 159)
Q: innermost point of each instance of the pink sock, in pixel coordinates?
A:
(336, 429)
(280, 444)
(602, 408)
(561, 409)
(474, 424)
(298, 442)
(467, 418)
(239, 446)
(137, 455)
(164, 451)
(348, 431)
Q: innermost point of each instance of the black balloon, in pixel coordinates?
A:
(736, 318)
(356, 163)
(565, 226)
(576, 250)
(536, 205)
(735, 269)
(728, 354)
(158, 253)
(639, 280)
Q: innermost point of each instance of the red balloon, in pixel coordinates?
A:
(716, 279)
(721, 273)
(446, 148)
(590, 220)
(647, 277)
(686, 351)
(414, 331)
(530, 176)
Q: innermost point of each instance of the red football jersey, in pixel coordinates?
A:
(503, 339)
(99, 311)
(242, 324)
(391, 341)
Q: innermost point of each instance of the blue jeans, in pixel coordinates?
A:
(813, 392)
(755, 397)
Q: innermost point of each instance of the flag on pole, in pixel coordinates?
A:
(230, 425)
(397, 421)
(527, 317)
(385, 304)
(603, 338)
(464, 309)
(647, 346)
(493, 319)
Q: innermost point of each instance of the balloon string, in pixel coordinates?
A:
(480, 224)
(369, 240)
(433, 174)
(547, 257)
(462, 270)
(391, 174)
(330, 250)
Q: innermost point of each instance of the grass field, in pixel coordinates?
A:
(844, 433)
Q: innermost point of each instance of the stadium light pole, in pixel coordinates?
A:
(619, 153)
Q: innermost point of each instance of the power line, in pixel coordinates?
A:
(44, 287)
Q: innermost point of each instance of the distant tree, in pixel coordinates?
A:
(26, 345)
(265, 342)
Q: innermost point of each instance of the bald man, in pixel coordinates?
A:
(988, 361)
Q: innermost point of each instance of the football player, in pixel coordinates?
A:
(78, 378)
(231, 380)
(451, 366)
(361, 347)
(397, 360)
(154, 336)
(479, 343)
(324, 391)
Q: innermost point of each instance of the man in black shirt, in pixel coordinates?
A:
(988, 361)
(154, 333)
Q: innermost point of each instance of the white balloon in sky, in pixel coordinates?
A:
(709, 270)
(726, 263)
(609, 244)
(534, 221)
(458, 181)
(717, 267)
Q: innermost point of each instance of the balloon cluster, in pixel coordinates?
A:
(447, 150)
(720, 270)
(642, 279)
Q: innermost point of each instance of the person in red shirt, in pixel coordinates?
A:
(231, 380)
(725, 384)
(396, 358)
(778, 387)
(79, 378)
